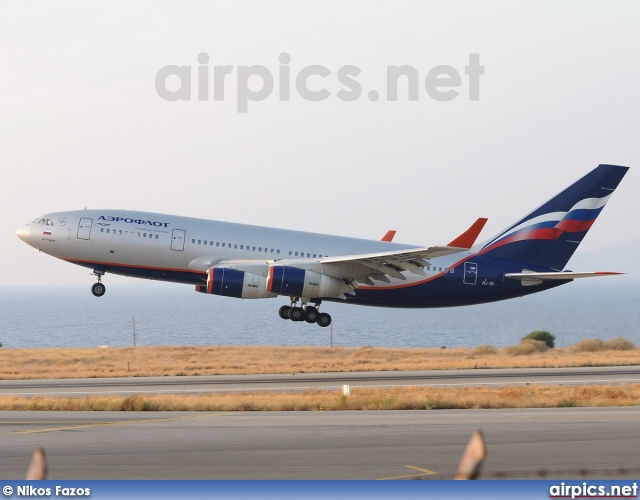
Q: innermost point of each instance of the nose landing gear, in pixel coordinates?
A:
(305, 312)
(98, 288)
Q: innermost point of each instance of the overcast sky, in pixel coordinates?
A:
(81, 123)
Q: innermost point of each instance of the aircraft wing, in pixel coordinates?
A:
(393, 263)
(363, 267)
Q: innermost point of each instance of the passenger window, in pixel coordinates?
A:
(217, 243)
(223, 245)
(193, 241)
(278, 252)
(289, 252)
(308, 255)
(156, 236)
(235, 246)
(259, 249)
(107, 230)
(102, 230)
(126, 233)
(241, 247)
(296, 254)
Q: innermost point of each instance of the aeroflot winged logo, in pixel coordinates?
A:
(129, 220)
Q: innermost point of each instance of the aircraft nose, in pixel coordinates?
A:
(22, 233)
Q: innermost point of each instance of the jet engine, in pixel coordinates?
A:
(296, 282)
(234, 283)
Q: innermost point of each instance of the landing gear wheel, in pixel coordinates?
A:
(284, 312)
(296, 314)
(324, 320)
(98, 289)
(311, 314)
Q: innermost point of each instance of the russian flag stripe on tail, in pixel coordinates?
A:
(550, 234)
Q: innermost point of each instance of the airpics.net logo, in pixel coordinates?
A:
(257, 83)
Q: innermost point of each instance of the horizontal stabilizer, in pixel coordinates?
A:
(568, 275)
(468, 238)
(533, 278)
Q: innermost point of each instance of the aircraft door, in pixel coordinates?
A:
(470, 273)
(177, 240)
(84, 228)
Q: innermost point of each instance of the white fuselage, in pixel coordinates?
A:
(173, 244)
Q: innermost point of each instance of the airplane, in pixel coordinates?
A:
(254, 262)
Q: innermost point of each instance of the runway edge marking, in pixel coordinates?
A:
(107, 424)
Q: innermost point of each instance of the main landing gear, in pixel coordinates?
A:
(98, 288)
(305, 312)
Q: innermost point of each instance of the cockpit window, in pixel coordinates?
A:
(40, 220)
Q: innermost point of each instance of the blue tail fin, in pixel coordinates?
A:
(550, 234)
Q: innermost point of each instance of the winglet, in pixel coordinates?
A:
(389, 235)
(468, 238)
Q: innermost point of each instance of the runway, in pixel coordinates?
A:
(562, 443)
(307, 381)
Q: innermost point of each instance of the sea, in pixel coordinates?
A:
(170, 314)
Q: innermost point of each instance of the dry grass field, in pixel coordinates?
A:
(177, 361)
(167, 361)
(399, 398)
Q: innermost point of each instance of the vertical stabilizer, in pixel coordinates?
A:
(550, 234)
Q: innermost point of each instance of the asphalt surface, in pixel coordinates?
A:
(561, 443)
(305, 381)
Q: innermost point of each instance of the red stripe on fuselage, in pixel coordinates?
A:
(116, 264)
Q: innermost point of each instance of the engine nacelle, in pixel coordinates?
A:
(234, 283)
(296, 282)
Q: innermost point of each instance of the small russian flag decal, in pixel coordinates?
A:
(47, 233)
